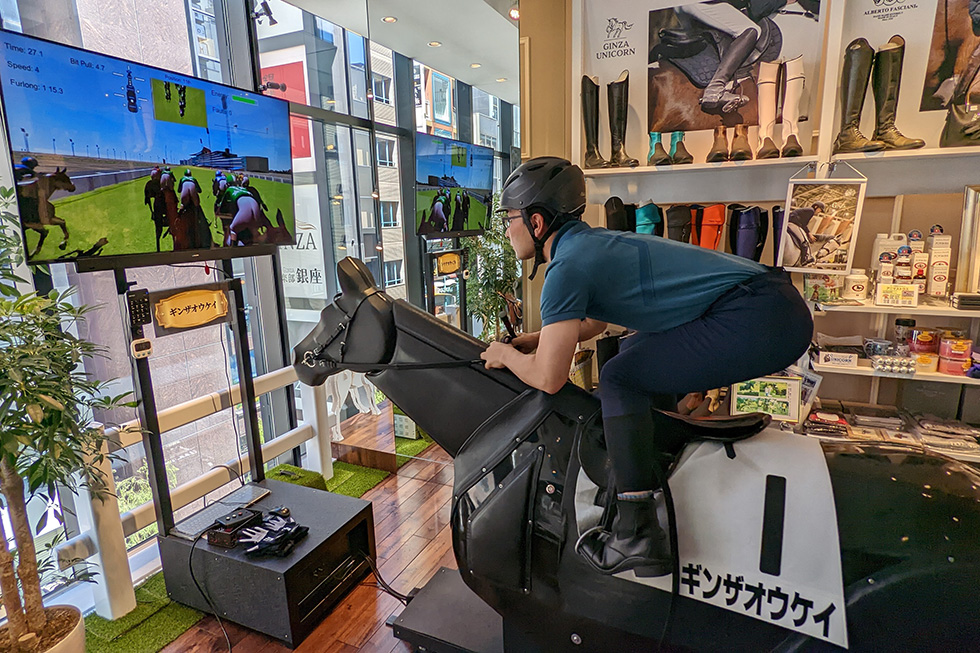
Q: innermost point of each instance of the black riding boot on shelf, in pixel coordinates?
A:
(854, 80)
(886, 80)
(618, 109)
(590, 115)
(719, 96)
(635, 540)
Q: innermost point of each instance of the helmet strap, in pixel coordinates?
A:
(538, 242)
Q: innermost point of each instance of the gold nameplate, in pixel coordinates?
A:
(190, 309)
(448, 263)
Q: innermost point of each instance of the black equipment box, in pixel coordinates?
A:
(447, 617)
(284, 598)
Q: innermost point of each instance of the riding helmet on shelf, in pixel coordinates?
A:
(548, 185)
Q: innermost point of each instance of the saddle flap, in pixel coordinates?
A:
(718, 429)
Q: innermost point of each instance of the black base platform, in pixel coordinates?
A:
(447, 617)
(284, 598)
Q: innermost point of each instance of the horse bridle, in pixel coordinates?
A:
(313, 357)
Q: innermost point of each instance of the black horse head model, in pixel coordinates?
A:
(784, 542)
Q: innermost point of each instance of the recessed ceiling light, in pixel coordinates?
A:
(514, 13)
(389, 19)
(501, 79)
(475, 65)
(435, 44)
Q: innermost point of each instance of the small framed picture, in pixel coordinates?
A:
(820, 225)
(778, 396)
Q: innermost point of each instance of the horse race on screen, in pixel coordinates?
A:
(116, 158)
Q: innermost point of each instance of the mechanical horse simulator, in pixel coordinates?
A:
(123, 159)
(784, 542)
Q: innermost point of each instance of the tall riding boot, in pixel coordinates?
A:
(778, 217)
(768, 74)
(590, 114)
(679, 223)
(635, 540)
(885, 81)
(619, 105)
(658, 155)
(855, 74)
(719, 150)
(741, 150)
(678, 153)
(719, 96)
(791, 107)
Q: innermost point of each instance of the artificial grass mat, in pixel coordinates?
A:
(154, 623)
(354, 480)
(405, 448)
(297, 476)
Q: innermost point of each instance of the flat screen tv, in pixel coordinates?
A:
(119, 164)
(453, 187)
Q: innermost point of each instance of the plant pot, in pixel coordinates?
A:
(74, 641)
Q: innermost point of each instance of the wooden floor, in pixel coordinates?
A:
(411, 516)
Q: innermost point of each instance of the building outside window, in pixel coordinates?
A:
(382, 88)
(389, 214)
(393, 273)
(386, 152)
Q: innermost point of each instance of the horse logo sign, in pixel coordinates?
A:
(616, 27)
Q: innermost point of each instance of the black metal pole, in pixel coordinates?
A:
(147, 412)
(245, 383)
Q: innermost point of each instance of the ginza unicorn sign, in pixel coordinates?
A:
(616, 43)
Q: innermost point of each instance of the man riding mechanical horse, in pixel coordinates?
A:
(704, 319)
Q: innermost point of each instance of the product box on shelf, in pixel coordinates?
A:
(939, 271)
(837, 359)
(897, 294)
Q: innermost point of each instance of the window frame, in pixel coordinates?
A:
(389, 146)
(384, 97)
(397, 265)
(395, 220)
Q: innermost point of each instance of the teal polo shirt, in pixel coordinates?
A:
(638, 281)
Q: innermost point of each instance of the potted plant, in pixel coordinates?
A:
(47, 436)
(495, 274)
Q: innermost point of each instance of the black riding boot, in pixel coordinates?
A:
(719, 96)
(618, 109)
(853, 86)
(635, 540)
(885, 82)
(590, 114)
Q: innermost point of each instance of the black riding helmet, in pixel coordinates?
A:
(547, 185)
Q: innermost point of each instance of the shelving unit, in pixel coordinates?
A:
(939, 310)
(864, 369)
(731, 181)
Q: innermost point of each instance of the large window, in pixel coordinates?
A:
(382, 88)
(386, 152)
(393, 273)
(389, 214)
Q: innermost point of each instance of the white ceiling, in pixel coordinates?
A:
(471, 31)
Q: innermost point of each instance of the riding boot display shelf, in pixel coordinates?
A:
(800, 80)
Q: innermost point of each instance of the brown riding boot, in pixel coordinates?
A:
(719, 150)
(741, 150)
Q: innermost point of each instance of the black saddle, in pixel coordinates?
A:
(697, 52)
(674, 432)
